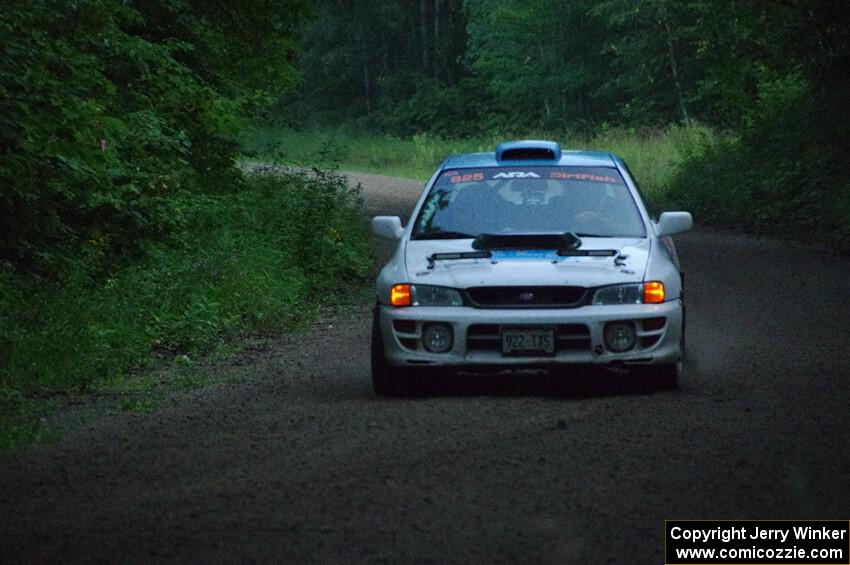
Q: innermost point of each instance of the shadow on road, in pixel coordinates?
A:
(586, 383)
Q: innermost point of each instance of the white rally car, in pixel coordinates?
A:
(529, 256)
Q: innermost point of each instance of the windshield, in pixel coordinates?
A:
(588, 201)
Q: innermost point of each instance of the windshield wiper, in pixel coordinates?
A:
(445, 235)
(587, 253)
(434, 257)
(603, 235)
(582, 234)
(619, 258)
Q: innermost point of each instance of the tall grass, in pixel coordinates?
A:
(653, 156)
(415, 157)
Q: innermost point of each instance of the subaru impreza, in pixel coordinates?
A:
(529, 257)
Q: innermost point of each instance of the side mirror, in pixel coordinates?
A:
(387, 226)
(670, 223)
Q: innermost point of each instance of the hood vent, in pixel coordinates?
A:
(558, 241)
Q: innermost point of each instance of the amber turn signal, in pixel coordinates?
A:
(653, 292)
(400, 295)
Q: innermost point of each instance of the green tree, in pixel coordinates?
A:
(108, 110)
(370, 60)
(540, 61)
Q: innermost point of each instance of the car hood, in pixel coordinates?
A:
(527, 268)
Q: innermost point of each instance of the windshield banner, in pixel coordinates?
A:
(603, 175)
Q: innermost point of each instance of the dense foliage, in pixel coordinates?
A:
(110, 111)
(785, 170)
(771, 76)
(563, 65)
(245, 264)
(127, 225)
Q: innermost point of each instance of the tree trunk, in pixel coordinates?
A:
(385, 54)
(546, 106)
(437, 50)
(367, 86)
(367, 82)
(449, 68)
(423, 29)
(671, 55)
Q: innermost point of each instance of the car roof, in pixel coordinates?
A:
(567, 159)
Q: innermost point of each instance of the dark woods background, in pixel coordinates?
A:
(110, 110)
(454, 67)
(773, 75)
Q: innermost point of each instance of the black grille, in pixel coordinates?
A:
(648, 341)
(488, 337)
(653, 324)
(526, 296)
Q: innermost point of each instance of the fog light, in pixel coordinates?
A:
(619, 336)
(437, 338)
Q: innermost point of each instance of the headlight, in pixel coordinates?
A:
(619, 294)
(651, 292)
(424, 295)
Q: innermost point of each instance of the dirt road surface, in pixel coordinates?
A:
(300, 463)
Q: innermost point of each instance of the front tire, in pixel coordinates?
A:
(386, 379)
(651, 378)
(666, 376)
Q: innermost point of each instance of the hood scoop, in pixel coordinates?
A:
(558, 241)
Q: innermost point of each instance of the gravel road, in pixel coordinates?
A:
(300, 463)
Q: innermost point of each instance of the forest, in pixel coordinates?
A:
(130, 230)
(769, 78)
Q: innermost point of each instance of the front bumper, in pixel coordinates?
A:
(579, 331)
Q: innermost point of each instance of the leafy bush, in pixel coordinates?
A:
(110, 111)
(785, 174)
(259, 259)
(432, 108)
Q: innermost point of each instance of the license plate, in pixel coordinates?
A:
(528, 341)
